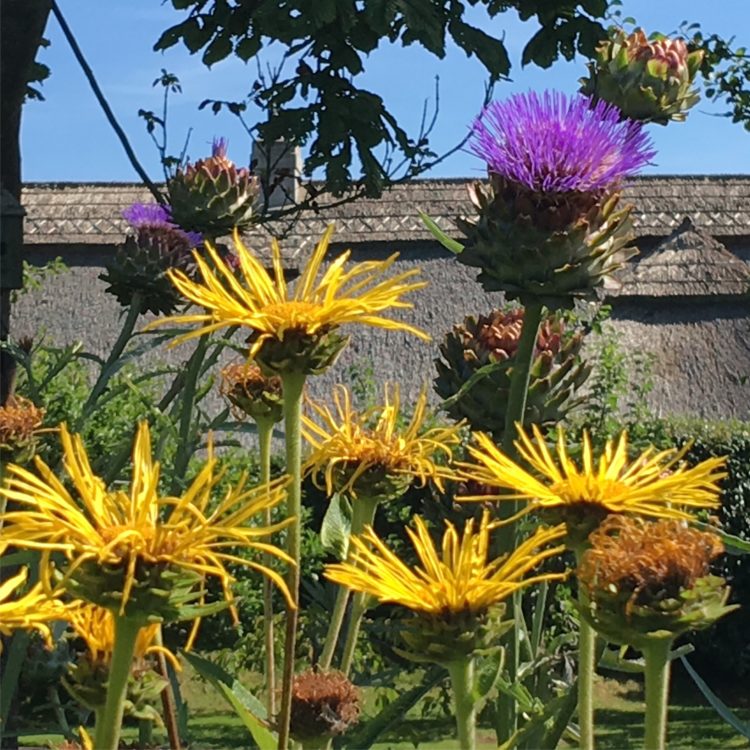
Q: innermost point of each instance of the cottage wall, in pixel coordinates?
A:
(700, 345)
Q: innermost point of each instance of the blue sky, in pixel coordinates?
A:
(66, 137)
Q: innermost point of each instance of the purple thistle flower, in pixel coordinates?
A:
(152, 221)
(219, 148)
(151, 215)
(555, 144)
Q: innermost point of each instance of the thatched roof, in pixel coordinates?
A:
(72, 213)
(687, 263)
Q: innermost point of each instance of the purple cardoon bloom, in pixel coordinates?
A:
(152, 221)
(555, 144)
(219, 148)
(151, 215)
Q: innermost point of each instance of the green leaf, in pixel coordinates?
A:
(449, 244)
(733, 545)
(337, 527)
(367, 734)
(490, 51)
(248, 708)
(718, 705)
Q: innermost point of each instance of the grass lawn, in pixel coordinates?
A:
(693, 725)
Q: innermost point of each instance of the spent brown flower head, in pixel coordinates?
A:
(650, 562)
(19, 420)
(324, 704)
(250, 392)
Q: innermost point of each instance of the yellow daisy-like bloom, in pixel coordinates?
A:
(137, 535)
(34, 610)
(264, 303)
(96, 626)
(458, 579)
(656, 484)
(350, 447)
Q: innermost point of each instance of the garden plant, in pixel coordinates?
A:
(115, 545)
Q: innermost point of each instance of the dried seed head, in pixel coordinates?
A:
(324, 704)
(650, 562)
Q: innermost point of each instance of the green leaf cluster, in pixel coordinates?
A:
(314, 98)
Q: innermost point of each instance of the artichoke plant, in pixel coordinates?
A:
(488, 343)
(549, 229)
(650, 81)
(214, 196)
(140, 265)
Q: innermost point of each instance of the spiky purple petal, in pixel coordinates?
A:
(219, 148)
(151, 215)
(152, 220)
(557, 144)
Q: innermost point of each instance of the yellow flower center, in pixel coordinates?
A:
(297, 312)
(587, 489)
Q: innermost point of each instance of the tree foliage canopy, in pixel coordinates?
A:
(313, 99)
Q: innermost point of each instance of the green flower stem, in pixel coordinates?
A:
(519, 385)
(507, 720)
(657, 692)
(363, 514)
(586, 670)
(462, 683)
(587, 661)
(293, 384)
(108, 368)
(109, 721)
(359, 607)
(265, 434)
(185, 446)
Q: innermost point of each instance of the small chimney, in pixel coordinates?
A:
(279, 170)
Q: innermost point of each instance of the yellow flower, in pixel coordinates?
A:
(135, 536)
(316, 306)
(460, 580)
(657, 483)
(34, 610)
(349, 446)
(96, 627)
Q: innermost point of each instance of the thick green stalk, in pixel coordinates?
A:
(586, 671)
(293, 384)
(462, 683)
(363, 514)
(334, 627)
(507, 719)
(185, 447)
(519, 385)
(109, 721)
(265, 434)
(108, 369)
(657, 692)
(359, 607)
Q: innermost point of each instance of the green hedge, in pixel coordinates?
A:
(724, 649)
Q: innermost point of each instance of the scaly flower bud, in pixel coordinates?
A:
(213, 195)
(650, 81)
(491, 341)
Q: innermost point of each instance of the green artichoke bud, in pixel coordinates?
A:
(647, 81)
(141, 267)
(647, 580)
(488, 343)
(299, 351)
(213, 195)
(251, 393)
(324, 705)
(546, 248)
